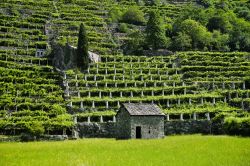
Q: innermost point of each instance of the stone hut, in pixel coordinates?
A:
(140, 120)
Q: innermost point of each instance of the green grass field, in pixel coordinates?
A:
(188, 150)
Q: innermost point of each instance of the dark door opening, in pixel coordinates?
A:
(138, 131)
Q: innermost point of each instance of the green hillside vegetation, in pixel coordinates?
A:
(205, 75)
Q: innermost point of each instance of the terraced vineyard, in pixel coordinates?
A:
(186, 85)
(182, 85)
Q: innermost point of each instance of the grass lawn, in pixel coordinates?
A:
(189, 150)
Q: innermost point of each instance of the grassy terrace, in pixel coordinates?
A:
(172, 150)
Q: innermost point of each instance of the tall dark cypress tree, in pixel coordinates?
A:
(82, 49)
(155, 34)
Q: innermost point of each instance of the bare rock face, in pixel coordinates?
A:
(65, 57)
(94, 58)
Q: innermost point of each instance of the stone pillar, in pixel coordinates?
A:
(172, 91)
(94, 77)
(185, 91)
(141, 78)
(214, 101)
(208, 116)
(76, 83)
(106, 71)
(86, 84)
(64, 76)
(135, 85)
(247, 94)
(88, 70)
(176, 71)
(166, 72)
(242, 105)
(85, 78)
(167, 117)
(202, 101)
(76, 76)
(118, 104)
(237, 95)
(162, 93)
(89, 119)
(81, 105)
(168, 105)
(101, 119)
(142, 94)
(194, 116)
(96, 84)
(190, 101)
(70, 104)
(213, 86)
(181, 117)
(107, 104)
(145, 84)
(152, 93)
(106, 84)
(75, 119)
(126, 84)
(225, 99)
(110, 94)
(116, 84)
(114, 119)
(114, 78)
(64, 131)
(120, 93)
(160, 78)
(93, 104)
(100, 94)
(244, 86)
(78, 94)
(179, 101)
(164, 84)
(183, 84)
(154, 84)
(223, 85)
(173, 84)
(89, 94)
(233, 85)
(131, 94)
(151, 78)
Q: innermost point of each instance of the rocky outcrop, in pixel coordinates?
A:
(64, 57)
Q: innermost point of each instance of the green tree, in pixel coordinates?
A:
(155, 33)
(134, 16)
(201, 38)
(220, 41)
(182, 42)
(219, 23)
(135, 43)
(82, 49)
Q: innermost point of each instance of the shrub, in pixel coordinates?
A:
(237, 126)
(133, 16)
(35, 128)
(123, 28)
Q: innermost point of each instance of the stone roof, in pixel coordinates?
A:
(142, 109)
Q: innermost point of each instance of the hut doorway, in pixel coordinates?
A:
(138, 132)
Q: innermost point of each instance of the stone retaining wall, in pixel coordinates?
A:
(108, 129)
(97, 130)
(188, 127)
